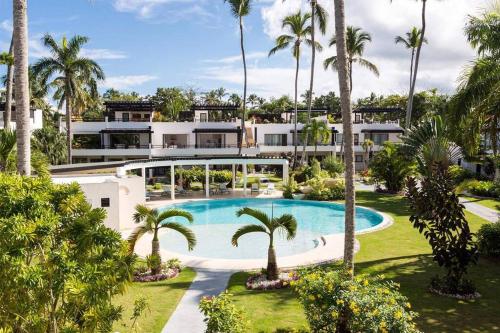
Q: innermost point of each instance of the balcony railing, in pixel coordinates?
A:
(110, 119)
(124, 146)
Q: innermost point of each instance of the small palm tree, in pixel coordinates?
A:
(285, 223)
(152, 220)
(317, 132)
(300, 30)
(367, 147)
(411, 42)
(356, 40)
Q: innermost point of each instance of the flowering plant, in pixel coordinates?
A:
(260, 281)
(221, 315)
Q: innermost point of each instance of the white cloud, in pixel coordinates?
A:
(237, 58)
(103, 54)
(6, 25)
(127, 81)
(441, 62)
(154, 9)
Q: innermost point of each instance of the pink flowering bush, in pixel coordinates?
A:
(335, 303)
(260, 281)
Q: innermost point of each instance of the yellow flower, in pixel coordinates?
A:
(365, 282)
(311, 298)
(408, 305)
(398, 314)
(383, 324)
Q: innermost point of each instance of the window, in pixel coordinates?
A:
(356, 139)
(339, 139)
(203, 117)
(379, 138)
(275, 139)
(125, 117)
(358, 158)
(104, 202)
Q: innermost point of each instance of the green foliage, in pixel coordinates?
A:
(221, 315)
(153, 261)
(459, 174)
(290, 188)
(326, 190)
(484, 188)
(391, 166)
(221, 176)
(7, 146)
(334, 166)
(437, 213)
(333, 302)
(315, 168)
(171, 102)
(60, 265)
(488, 240)
(197, 174)
(158, 186)
(140, 305)
(51, 143)
(173, 263)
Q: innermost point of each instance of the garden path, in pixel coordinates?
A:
(480, 210)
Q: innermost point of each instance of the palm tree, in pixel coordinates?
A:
(411, 42)
(51, 143)
(7, 145)
(356, 40)
(72, 72)
(287, 224)
(240, 9)
(8, 60)
(367, 147)
(21, 78)
(152, 220)
(345, 105)
(299, 32)
(318, 13)
(317, 132)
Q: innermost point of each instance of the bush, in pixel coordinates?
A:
(141, 267)
(173, 263)
(333, 302)
(290, 188)
(334, 166)
(322, 192)
(488, 239)
(221, 315)
(391, 166)
(222, 176)
(485, 189)
(158, 186)
(459, 174)
(153, 261)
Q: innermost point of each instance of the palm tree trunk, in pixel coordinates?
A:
(411, 65)
(7, 115)
(243, 109)
(311, 83)
(350, 77)
(409, 107)
(295, 138)
(345, 98)
(22, 87)
(155, 251)
(272, 265)
(68, 127)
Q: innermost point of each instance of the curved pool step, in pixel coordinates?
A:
(318, 241)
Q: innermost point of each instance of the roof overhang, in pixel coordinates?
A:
(216, 130)
(382, 131)
(126, 130)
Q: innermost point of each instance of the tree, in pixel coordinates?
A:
(7, 145)
(61, 267)
(152, 220)
(286, 223)
(72, 74)
(348, 138)
(51, 143)
(116, 95)
(392, 166)
(318, 132)
(8, 59)
(367, 147)
(299, 32)
(318, 13)
(411, 41)
(240, 9)
(170, 102)
(21, 77)
(355, 47)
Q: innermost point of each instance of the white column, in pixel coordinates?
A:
(234, 176)
(285, 173)
(245, 178)
(207, 180)
(143, 173)
(151, 173)
(172, 182)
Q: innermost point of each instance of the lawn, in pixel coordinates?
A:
(401, 254)
(487, 202)
(162, 298)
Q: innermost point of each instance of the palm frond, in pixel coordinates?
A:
(288, 224)
(368, 65)
(249, 228)
(256, 214)
(331, 62)
(183, 230)
(174, 212)
(138, 232)
(143, 213)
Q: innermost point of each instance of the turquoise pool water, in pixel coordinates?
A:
(215, 222)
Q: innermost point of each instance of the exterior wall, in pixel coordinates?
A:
(36, 120)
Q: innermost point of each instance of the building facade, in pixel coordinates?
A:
(36, 118)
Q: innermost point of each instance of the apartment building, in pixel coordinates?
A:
(127, 132)
(35, 116)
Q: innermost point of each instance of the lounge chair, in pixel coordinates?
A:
(223, 189)
(270, 188)
(255, 188)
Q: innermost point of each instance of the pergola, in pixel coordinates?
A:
(207, 162)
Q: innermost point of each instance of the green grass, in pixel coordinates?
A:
(487, 202)
(162, 298)
(401, 254)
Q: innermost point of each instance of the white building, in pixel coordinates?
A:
(128, 132)
(36, 117)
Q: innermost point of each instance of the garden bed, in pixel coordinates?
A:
(260, 281)
(167, 274)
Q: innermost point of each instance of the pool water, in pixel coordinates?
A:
(215, 222)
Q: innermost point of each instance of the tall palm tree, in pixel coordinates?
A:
(356, 40)
(345, 105)
(367, 147)
(71, 71)
(411, 42)
(318, 13)
(9, 61)
(317, 132)
(299, 29)
(152, 220)
(240, 9)
(22, 96)
(287, 224)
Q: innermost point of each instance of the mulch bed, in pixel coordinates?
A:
(164, 275)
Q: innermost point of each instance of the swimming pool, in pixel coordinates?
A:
(215, 222)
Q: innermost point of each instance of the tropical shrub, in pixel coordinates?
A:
(437, 213)
(488, 239)
(484, 188)
(157, 186)
(391, 166)
(334, 166)
(290, 188)
(221, 315)
(60, 266)
(173, 263)
(333, 302)
(459, 174)
(221, 176)
(323, 190)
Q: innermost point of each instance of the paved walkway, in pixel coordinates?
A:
(480, 210)
(187, 317)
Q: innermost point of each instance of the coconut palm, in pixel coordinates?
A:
(8, 59)
(240, 9)
(367, 147)
(318, 132)
(356, 40)
(411, 42)
(299, 29)
(318, 13)
(287, 224)
(72, 74)
(20, 36)
(152, 220)
(348, 138)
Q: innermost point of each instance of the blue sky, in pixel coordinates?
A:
(144, 44)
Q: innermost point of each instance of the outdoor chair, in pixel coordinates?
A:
(255, 188)
(270, 188)
(223, 189)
